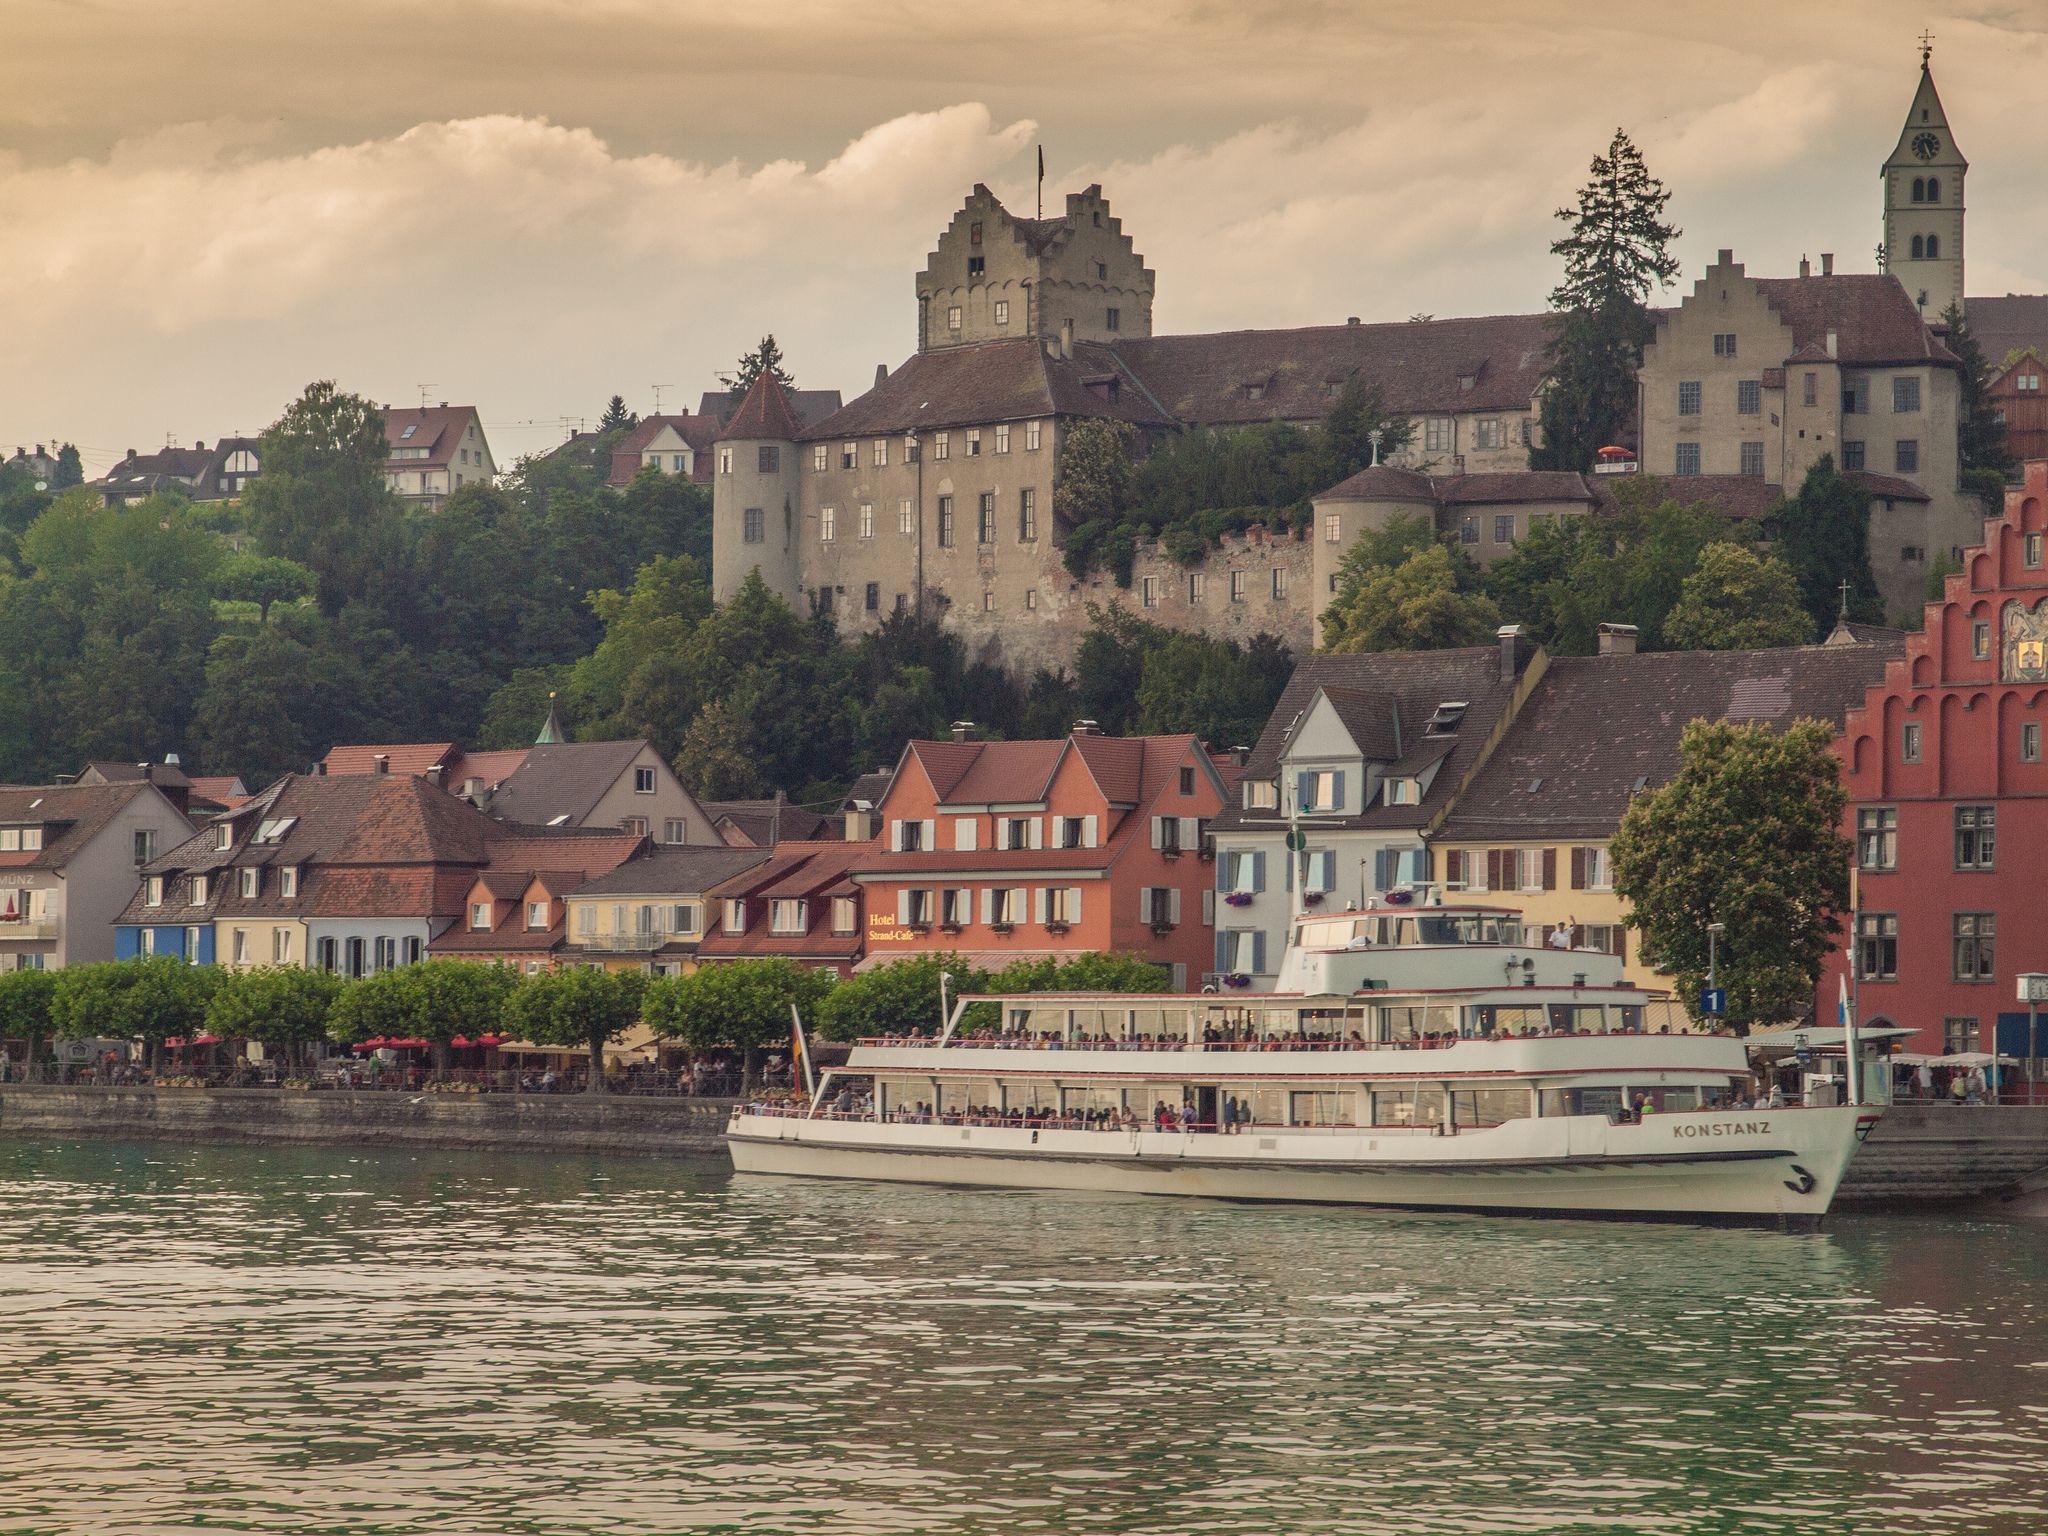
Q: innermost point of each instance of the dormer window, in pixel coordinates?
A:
(537, 915)
(1261, 795)
(479, 917)
(153, 891)
(788, 917)
(224, 835)
(251, 883)
(735, 916)
(1399, 792)
(1255, 391)
(199, 890)
(288, 881)
(1445, 721)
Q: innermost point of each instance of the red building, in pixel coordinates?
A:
(1008, 850)
(1948, 802)
(801, 904)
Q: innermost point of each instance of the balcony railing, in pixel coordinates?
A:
(44, 928)
(624, 943)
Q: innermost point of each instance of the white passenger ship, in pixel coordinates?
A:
(1428, 1058)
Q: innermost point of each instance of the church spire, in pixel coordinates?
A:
(1923, 200)
(552, 733)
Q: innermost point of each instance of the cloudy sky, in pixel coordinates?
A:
(530, 204)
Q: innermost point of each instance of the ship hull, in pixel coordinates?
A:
(1763, 1168)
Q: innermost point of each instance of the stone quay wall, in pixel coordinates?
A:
(1944, 1152)
(599, 1124)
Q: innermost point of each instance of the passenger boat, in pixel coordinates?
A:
(1429, 1058)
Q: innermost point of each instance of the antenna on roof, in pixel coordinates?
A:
(1041, 181)
(423, 395)
(658, 388)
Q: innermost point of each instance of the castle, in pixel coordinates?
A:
(933, 491)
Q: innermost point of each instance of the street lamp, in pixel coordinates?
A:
(1714, 931)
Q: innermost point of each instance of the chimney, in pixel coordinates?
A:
(1067, 340)
(1805, 267)
(1239, 756)
(1827, 263)
(1510, 651)
(383, 762)
(131, 453)
(1087, 728)
(1833, 345)
(148, 771)
(1351, 319)
(1617, 639)
(173, 759)
(881, 374)
(1724, 258)
(320, 769)
(964, 730)
(444, 405)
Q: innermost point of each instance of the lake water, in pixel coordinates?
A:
(259, 1340)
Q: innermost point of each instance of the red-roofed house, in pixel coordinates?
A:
(514, 912)
(435, 452)
(802, 903)
(674, 445)
(1018, 849)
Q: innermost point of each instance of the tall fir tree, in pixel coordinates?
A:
(616, 416)
(1617, 251)
(766, 358)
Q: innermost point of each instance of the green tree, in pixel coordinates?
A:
(283, 1007)
(1824, 539)
(1735, 602)
(70, 469)
(743, 1004)
(1618, 249)
(321, 500)
(151, 1000)
(252, 714)
(1980, 431)
(1536, 586)
(1415, 606)
(262, 580)
(766, 358)
(519, 708)
(1745, 835)
(714, 763)
(1093, 487)
(574, 1006)
(447, 1000)
(375, 1008)
(1215, 690)
(900, 998)
(616, 417)
(27, 1000)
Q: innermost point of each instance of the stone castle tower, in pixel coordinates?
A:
(1923, 203)
(996, 277)
(756, 495)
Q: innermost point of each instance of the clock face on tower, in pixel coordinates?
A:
(1927, 146)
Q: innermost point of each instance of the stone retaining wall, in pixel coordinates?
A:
(611, 1124)
(1944, 1152)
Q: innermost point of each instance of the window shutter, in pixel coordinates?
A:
(1259, 870)
(1578, 869)
(1173, 904)
(1037, 832)
(1209, 908)
(1621, 944)
(1379, 869)
(1190, 834)
(1226, 872)
(963, 834)
(1259, 951)
(1330, 870)
(1454, 867)
(903, 906)
(1144, 903)
(1339, 790)
(1304, 791)
(1158, 838)
(895, 837)
(1222, 951)
(1038, 905)
(1550, 869)
(1427, 859)
(1073, 903)
(1493, 869)
(988, 905)
(931, 836)
(1087, 831)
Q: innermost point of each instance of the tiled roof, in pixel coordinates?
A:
(564, 778)
(164, 775)
(220, 789)
(1117, 763)
(761, 823)
(1737, 496)
(1417, 681)
(670, 871)
(1874, 321)
(1371, 719)
(510, 937)
(438, 429)
(996, 772)
(869, 788)
(87, 807)
(1418, 365)
(895, 866)
(406, 757)
(810, 405)
(765, 413)
(2004, 326)
(1382, 483)
(1886, 485)
(999, 381)
(796, 869)
(1596, 725)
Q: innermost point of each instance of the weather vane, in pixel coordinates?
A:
(1926, 48)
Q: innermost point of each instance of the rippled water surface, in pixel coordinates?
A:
(331, 1341)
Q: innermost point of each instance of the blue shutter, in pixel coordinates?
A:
(1330, 870)
(1338, 790)
(1379, 869)
(1259, 871)
(1226, 865)
(1222, 939)
(1287, 871)
(1304, 791)
(1259, 952)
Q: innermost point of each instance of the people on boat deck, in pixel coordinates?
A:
(1561, 937)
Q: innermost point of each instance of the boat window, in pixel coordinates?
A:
(1513, 1021)
(1321, 1108)
(1581, 1101)
(1480, 1107)
(1404, 931)
(1408, 1106)
(1333, 933)
(1413, 1023)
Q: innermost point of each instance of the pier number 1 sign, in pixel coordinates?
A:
(1714, 1001)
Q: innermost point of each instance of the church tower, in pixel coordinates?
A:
(1923, 202)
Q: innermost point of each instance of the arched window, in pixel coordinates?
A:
(1919, 189)
(1933, 246)
(1934, 189)
(1918, 248)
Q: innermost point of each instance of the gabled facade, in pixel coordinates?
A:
(800, 904)
(1021, 849)
(434, 452)
(1364, 756)
(1948, 802)
(2015, 392)
(515, 909)
(675, 446)
(68, 861)
(653, 911)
